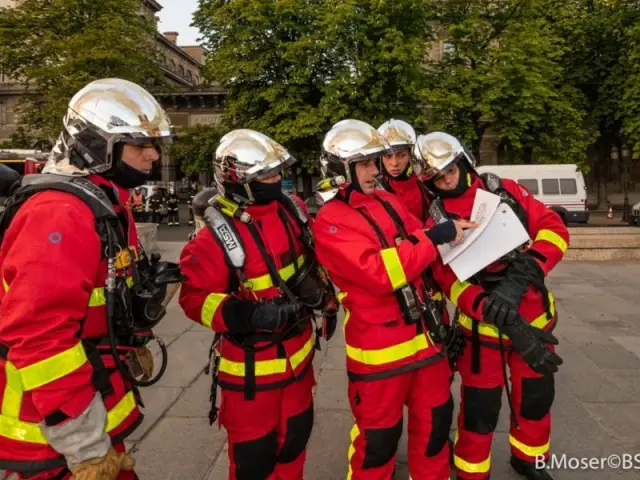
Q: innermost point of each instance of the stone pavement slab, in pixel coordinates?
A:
(595, 412)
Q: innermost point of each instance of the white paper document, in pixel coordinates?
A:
(498, 233)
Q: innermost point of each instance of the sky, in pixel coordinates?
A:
(175, 16)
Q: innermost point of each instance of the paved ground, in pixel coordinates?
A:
(595, 413)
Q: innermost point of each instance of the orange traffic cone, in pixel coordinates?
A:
(610, 214)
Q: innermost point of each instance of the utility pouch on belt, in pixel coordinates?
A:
(409, 304)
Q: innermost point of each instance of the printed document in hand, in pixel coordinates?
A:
(499, 232)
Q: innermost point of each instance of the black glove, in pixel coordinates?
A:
(330, 324)
(442, 233)
(454, 342)
(271, 316)
(529, 343)
(522, 272)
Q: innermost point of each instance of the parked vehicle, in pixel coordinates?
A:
(561, 187)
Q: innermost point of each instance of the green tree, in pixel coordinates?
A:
(502, 69)
(292, 68)
(55, 47)
(602, 64)
(377, 50)
(195, 147)
(267, 56)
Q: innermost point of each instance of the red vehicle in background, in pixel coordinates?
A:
(24, 162)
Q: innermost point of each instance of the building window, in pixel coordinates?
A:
(3, 114)
(181, 71)
(190, 76)
(172, 65)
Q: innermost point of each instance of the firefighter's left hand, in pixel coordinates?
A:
(455, 344)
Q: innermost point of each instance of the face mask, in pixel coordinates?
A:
(264, 193)
(125, 176)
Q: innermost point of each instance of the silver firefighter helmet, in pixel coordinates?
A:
(244, 156)
(103, 116)
(439, 151)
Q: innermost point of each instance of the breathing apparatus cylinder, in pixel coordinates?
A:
(200, 203)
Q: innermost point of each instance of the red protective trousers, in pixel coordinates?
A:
(480, 404)
(378, 405)
(60, 474)
(268, 435)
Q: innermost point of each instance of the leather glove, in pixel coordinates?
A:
(529, 343)
(271, 316)
(104, 468)
(454, 342)
(523, 272)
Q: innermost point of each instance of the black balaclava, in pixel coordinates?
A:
(459, 189)
(122, 174)
(264, 193)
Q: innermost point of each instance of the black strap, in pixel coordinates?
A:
(249, 374)
(100, 377)
(286, 223)
(271, 267)
(475, 347)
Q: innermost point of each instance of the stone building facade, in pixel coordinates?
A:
(189, 104)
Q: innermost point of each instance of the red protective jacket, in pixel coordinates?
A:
(206, 291)
(550, 242)
(379, 342)
(412, 194)
(53, 274)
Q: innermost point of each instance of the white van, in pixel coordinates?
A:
(560, 187)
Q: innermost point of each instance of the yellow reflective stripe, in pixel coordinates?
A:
(456, 290)
(269, 367)
(347, 313)
(12, 399)
(53, 368)
(527, 450)
(489, 330)
(121, 411)
(5, 285)
(553, 238)
(394, 268)
(210, 306)
(482, 467)
(98, 298)
(355, 431)
(437, 296)
(299, 357)
(264, 282)
(389, 354)
(31, 432)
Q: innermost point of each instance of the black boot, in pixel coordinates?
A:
(528, 470)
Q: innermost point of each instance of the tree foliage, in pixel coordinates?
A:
(195, 147)
(55, 47)
(292, 68)
(501, 69)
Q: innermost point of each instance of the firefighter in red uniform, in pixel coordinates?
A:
(400, 174)
(137, 205)
(68, 300)
(376, 252)
(252, 277)
(517, 317)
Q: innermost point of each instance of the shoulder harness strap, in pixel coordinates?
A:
(226, 234)
(89, 193)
